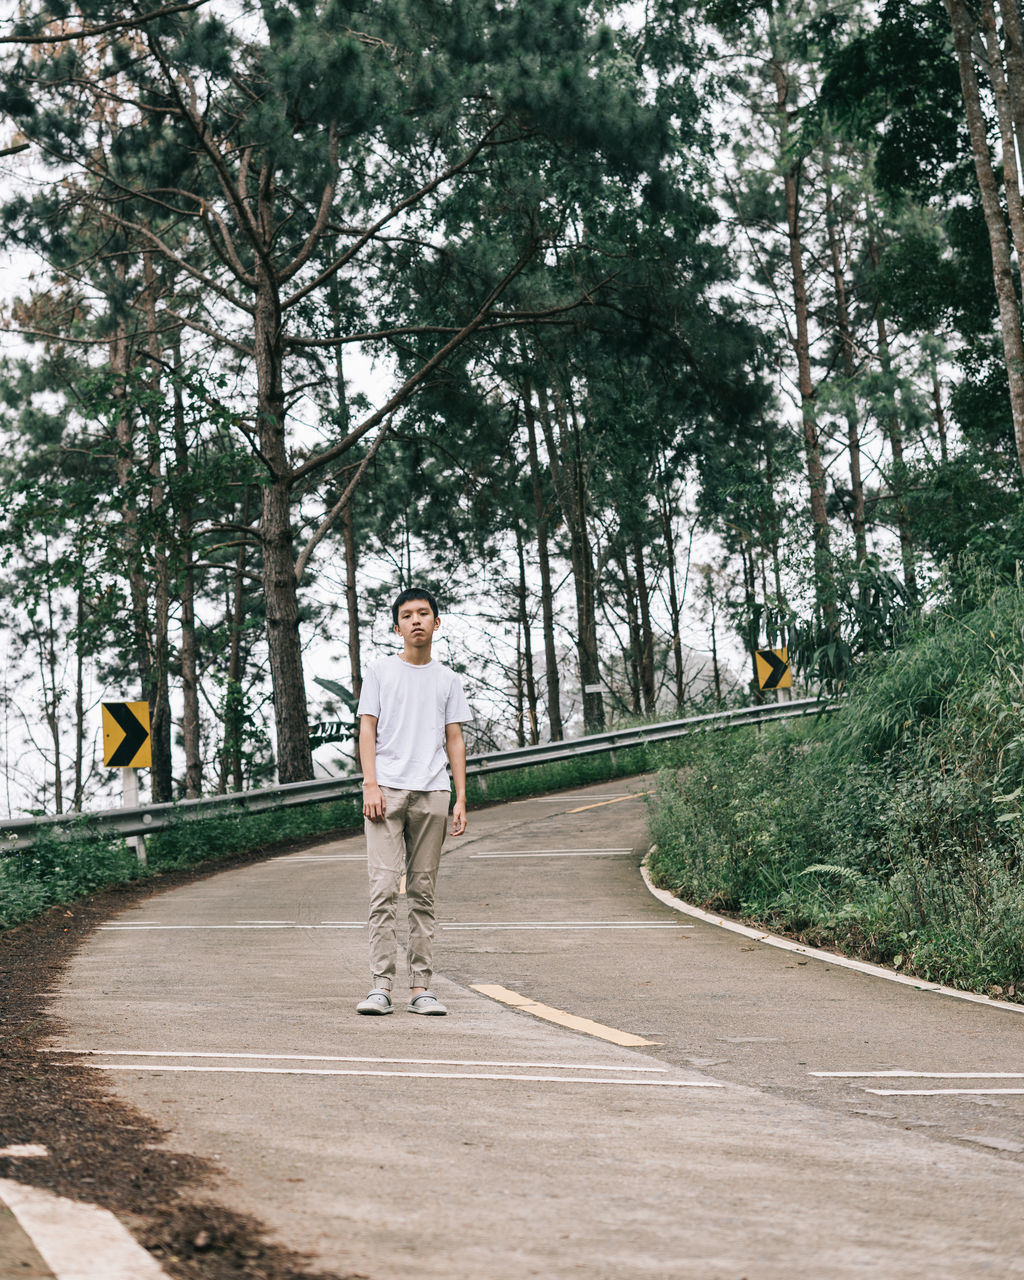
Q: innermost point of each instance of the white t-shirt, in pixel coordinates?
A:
(412, 705)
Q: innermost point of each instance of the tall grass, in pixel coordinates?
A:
(892, 829)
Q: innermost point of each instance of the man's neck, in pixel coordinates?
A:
(416, 657)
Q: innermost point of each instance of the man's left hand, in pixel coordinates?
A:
(459, 818)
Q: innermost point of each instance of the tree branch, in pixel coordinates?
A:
(411, 383)
(123, 24)
(333, 515)
(391, 214)
(324, 213)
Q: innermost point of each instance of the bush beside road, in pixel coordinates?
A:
(891, 830)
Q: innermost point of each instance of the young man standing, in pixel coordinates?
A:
(411, 712)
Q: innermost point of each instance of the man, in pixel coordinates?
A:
(411, 712)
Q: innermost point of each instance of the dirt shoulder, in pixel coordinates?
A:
(101, 1150)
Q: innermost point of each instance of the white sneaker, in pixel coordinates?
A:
(378, 1001)
(427, 1002)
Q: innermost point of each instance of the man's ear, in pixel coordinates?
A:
(437, 622)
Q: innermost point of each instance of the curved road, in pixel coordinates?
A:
(699, 1106)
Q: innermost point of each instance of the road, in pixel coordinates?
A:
(676, 1119)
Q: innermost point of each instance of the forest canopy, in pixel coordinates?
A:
(645, 336)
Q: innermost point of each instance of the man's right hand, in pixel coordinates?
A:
(373, 803)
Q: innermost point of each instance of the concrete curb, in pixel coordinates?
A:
(831, 957)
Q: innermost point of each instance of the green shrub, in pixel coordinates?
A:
(891, 828)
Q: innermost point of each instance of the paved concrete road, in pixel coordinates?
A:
(496, 1145)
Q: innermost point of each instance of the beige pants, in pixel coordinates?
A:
(407, 841)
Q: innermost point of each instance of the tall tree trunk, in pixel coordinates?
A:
(139, 588)
(231, 750)
(631, 655)
(716, 672)
(1005, 115)
(158, 692)
(568, 469)
(849, 361)
(1002, 271)
(352, 599)
(823, 571)
(540, 506)
(79, 795)
(940, 413)
(648, 682)
(280, 587)
(46, 645)
(674, 607)
(1013, 48)
(527, 654)
(750, 601)
(190, 725)
(348, 520)
(894, 433)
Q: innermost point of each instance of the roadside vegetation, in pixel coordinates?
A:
(891, 829)
(69, 864)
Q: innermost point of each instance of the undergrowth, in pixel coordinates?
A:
(891, 829)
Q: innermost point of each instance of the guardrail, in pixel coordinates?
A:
(18, 835)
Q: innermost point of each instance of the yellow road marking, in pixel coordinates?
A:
(601, 803)
(563, 1019)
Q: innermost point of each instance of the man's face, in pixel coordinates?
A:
(416, 623)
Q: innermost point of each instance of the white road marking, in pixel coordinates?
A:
(24, 1151)
(316, 1057)
(938, 1093)
(830, 957)
(321, 857)
(569, 799)
(143, 928)
(78, 1241)
(919, 1075)
(566, 925)
(558, 853)
(402, 1075)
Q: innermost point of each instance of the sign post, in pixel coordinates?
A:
(127, 746)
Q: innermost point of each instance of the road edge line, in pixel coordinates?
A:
(815, 953)
(77, 1240)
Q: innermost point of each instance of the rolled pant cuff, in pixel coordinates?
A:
(381, 984)
(420, 979)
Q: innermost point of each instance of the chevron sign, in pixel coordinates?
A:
(126, 743)
(773, 670)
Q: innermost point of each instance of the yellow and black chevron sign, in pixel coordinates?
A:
(773, 670)
(126, 741)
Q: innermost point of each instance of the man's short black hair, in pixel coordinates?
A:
(414, 593)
